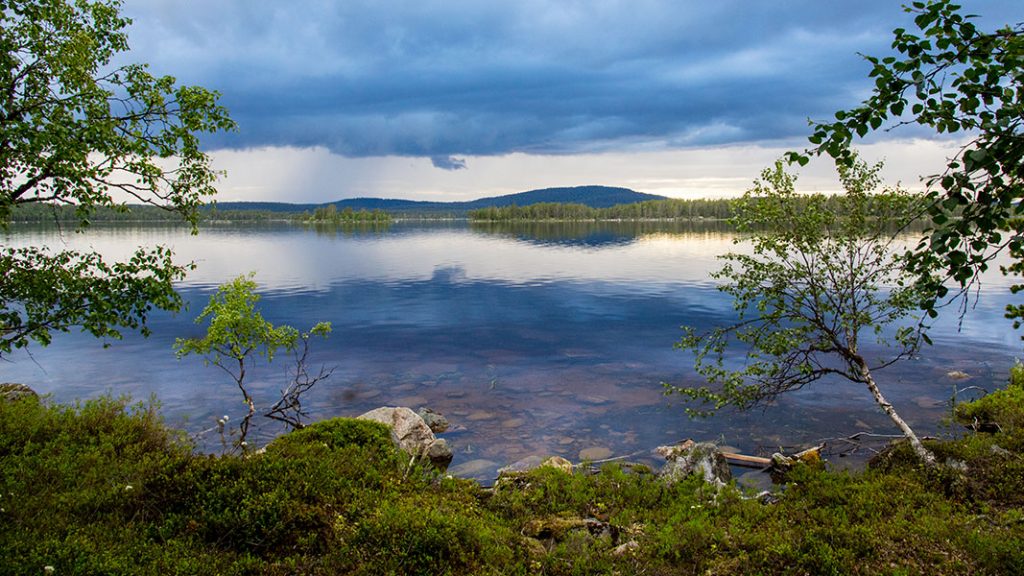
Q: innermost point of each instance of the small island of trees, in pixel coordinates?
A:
(330, 214)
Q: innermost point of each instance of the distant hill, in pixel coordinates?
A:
(593, 196)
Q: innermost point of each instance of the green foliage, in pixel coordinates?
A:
(96, 489)
(818, 279)
(48, 213)
(336, 434)
(237, 333)
(237, 329)
(425, 535)
(80, 132)
(669, 209)
(1002, 409)
(72, 481)
(950, 76)
(104, 488)
(44, 291)
(330, 215)
(820, 274)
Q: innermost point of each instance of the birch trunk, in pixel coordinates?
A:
(923, 453)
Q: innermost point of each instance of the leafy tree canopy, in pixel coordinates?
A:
(77, 131)
(953, 77)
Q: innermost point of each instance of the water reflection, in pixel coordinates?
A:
(598, 234)
(537, 339)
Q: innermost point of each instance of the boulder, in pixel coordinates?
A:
(439, 453)
(702, 458)
(558, 463)
(412, 435)
(10, 391)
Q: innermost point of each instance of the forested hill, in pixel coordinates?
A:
(592, 196)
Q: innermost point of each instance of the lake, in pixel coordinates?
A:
(532, 339)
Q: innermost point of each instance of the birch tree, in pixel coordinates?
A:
(824, 293)
(237, 335)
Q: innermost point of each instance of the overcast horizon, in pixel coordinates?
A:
(452, 101)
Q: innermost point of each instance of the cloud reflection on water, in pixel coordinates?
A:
(570, 333)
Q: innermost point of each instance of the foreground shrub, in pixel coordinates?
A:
(1002, 410)
(104, 488)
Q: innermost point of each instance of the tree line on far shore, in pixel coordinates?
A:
(48, 212)
(670, 209)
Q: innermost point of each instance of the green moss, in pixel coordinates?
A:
(338, 433)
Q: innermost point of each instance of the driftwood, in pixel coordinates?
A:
(748, 461)
(761, 462)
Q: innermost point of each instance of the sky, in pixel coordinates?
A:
(462, 99)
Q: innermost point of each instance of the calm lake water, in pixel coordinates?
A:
(540, 339)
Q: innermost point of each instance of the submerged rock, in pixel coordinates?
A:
(595, 453)
(472, 468)
(412, 435)
(531, 463)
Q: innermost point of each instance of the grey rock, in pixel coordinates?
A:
(522, 466)
(704, 459)
(11, 391)
(440, 454)
(412, 435)
(673, 451)
(437, 422)
(958, 465)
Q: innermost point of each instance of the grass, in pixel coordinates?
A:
(103, 487)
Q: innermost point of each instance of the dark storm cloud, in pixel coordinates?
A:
(436, 79)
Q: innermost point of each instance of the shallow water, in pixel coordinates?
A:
(539, 339)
